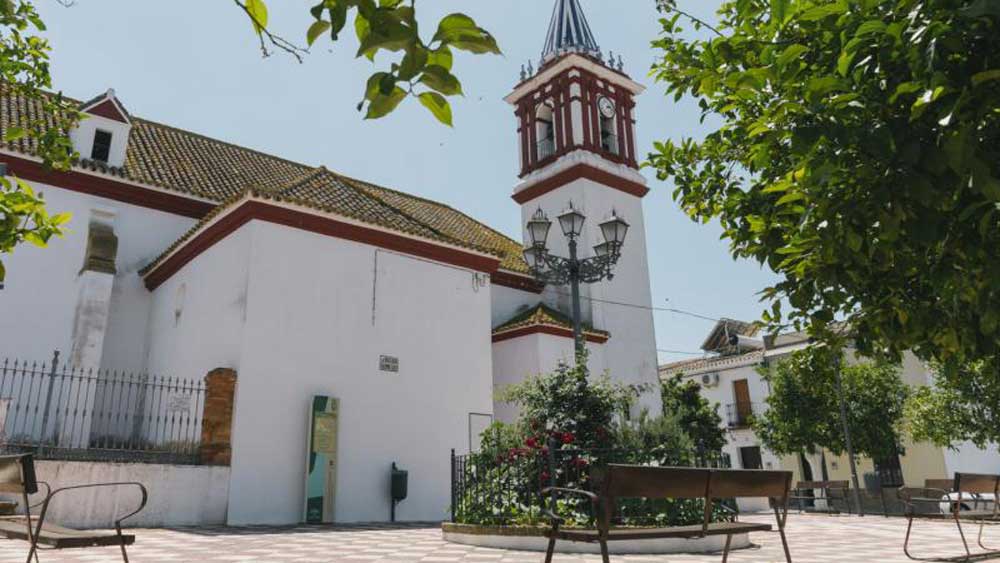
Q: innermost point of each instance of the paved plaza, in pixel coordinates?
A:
(813, 539)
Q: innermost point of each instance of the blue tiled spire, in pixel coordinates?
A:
(569, 32)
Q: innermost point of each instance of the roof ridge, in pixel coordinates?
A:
(222, 142)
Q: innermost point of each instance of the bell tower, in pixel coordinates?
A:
(576, 131)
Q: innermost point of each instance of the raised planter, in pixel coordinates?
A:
(527, 538)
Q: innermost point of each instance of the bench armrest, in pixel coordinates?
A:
(554, 491)
(912, 496)
(118, 521)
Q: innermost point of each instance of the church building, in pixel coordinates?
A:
(186, 254)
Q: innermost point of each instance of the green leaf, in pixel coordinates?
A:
(461, 32)
(441, 57)
(383, 104)
(779, 11)
(985, 76)
(869, 27)
(438, 106)
(844, 63)
(413, 62)
(823, 11)
(316, 29)
(981, 8)
(258, 14)
(14, 133)
(438, 78)
(791, 53)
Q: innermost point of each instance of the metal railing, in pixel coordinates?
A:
(63, 412)
(546, 148)
(740, 414)
(495, 488)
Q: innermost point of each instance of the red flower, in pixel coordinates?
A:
(545, 476)
(568, 438)
(580, 462)
(531, 443)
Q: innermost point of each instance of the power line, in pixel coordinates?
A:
(679, 352)
(646, 307)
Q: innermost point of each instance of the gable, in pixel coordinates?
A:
(109, 110)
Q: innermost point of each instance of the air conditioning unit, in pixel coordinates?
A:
(710, 379)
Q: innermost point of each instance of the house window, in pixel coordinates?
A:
(750, 458)
(102, 146)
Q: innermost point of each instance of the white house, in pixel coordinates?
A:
(187, 253)
(730, 377)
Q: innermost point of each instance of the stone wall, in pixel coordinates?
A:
(217, 424)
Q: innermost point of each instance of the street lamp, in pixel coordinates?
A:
(556, 270)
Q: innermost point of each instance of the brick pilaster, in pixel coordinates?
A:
(217, 417)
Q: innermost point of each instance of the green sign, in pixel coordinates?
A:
(321, 470)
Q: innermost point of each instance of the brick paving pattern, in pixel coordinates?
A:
(813, 539)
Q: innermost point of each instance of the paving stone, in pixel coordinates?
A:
(812, 538)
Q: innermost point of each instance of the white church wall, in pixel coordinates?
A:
(631, 352)
(38, 304)
(508, 302)
(519, 358)
(317, 321)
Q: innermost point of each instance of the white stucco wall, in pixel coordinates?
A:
(313, 328)
(519, 358)
(39, 301)
(179, 495)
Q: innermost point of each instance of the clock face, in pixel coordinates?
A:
(606, 106)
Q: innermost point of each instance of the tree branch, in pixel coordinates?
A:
(265, 36)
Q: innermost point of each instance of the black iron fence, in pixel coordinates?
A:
(59, 411)
(504, 488)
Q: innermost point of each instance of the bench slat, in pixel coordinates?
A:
(59, 537)
(695, 531)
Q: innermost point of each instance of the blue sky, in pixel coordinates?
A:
(196, 65)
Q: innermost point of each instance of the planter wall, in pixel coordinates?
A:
(532, 539)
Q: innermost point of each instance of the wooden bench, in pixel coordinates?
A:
(967, 487)
(828, 490)
(17, 475)
(629, 481)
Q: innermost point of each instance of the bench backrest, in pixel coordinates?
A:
(939, 484)
(823, 485)
(976, 483)
(635, 481)
(17, 474)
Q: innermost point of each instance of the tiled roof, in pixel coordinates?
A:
(543, 315)
(712, 363)
(323, 190)
(195, 165)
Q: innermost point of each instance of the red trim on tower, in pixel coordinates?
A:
(105, 187)
(546, 329)
(108, 109)
(517, 281)
(328, 226)
(575, 173)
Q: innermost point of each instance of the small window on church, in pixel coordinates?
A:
(102, 146)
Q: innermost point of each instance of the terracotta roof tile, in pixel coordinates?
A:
(543, 315)
(192, 164)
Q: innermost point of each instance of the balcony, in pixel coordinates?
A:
(739, 415)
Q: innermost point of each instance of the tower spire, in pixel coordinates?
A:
(569, 32)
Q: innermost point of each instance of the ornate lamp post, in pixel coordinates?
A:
(556, 270)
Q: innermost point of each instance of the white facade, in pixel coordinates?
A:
(298, 314)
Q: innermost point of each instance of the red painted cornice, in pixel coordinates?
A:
(328, 226)
(546, 329)
(517, 281)
(575, 173)
(77, 181)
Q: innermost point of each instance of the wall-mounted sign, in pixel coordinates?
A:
(321, 460)
(178, 404)
(388, 363)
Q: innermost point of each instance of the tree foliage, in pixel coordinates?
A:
(857, 154)
(803, 408)
(696, 415)
(24, 71)
(422, 69)
(963, 404)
